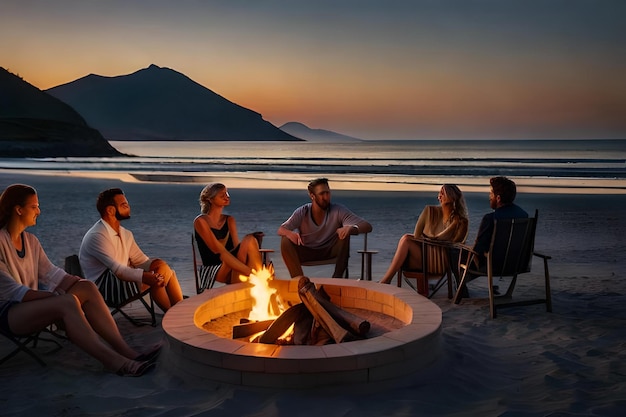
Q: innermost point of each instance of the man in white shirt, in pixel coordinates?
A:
(108, 246)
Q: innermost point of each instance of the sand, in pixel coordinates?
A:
(526, 362)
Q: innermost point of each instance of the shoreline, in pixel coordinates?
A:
(283, 181)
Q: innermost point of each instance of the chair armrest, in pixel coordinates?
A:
(434, 242)
(542, 255)
(467, 255)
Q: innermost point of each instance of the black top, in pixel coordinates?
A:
(223, 235)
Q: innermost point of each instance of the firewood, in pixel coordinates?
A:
(283, 322)
(347, 320)
(337, 332)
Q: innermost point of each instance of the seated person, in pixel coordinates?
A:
(446, 222)
(108, 247)
(75, 302)
(502, 192)
(319, 230)
(218, 241)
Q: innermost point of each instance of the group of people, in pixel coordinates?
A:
(318, 230)
(321, 230)
(73, 302)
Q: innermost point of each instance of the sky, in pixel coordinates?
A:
(417, 69)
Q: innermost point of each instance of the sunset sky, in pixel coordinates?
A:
(417, 69)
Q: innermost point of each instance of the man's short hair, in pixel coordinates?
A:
(505, 188)
(316, 182)
(107, 198)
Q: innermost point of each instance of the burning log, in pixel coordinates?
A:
(249, 328)
(328, 315)
(292, 315)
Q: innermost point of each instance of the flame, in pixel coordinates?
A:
(266, 305)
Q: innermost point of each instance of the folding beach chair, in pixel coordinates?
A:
(117, 293)
(29, 343)
(204, 275)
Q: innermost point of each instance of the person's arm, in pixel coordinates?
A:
(36, 295)
(455, 232)
(66, 283)
(418, 232)
(232, 229)
(290, 234)
(10, 289)
(351, 224)
(289, 227)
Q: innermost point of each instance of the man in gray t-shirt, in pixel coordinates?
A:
(319, 230)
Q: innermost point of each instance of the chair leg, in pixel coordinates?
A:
(445, 279)
(149, 308)
(548, 293)
(22, 346)
(459, 290)
(492, 301)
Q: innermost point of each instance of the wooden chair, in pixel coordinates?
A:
(366, 260)
(331, 261)
(117, 293)
(510, 254)
(28, 344)
(436, 261)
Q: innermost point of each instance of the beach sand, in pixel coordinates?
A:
(527, 362)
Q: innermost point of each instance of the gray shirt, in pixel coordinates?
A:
(318, 236)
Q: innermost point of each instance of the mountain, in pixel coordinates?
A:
(302, 131)
(34, 124)
(157, 103)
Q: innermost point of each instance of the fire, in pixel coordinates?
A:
(266, 303)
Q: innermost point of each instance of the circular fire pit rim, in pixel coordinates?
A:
(425, 321)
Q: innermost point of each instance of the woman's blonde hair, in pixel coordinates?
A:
(207, 194)
(458, 201)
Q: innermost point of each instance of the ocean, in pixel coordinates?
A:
(595, 166)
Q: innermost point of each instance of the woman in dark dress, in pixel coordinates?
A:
(222, 253)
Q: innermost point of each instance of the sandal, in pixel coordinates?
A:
(135, 368)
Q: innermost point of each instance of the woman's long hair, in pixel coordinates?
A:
(207, 194)
(458, 201)
(13, 195)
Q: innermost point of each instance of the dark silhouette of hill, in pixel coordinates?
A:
(161, 104)
(35, 124)
(302, 131)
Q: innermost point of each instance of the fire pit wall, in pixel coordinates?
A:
(195, 352)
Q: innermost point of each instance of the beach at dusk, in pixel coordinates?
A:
(388, 101)
(524, 362)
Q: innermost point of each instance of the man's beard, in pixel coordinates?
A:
(119, 217)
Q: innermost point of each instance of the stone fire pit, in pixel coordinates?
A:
(199, 353)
